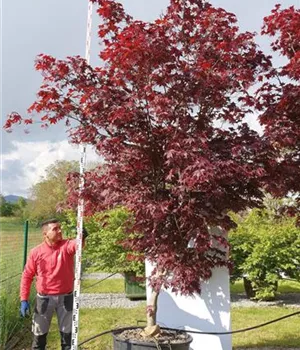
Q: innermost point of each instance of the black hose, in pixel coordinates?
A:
(107, 332)
(239, 330)
(10, 277)
(103, 279)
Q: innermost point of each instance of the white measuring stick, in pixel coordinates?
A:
(80, 211)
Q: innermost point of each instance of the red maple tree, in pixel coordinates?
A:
(166, 110)
(278, 100)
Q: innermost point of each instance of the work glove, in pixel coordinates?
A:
(24, 310)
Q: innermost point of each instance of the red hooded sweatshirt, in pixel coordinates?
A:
(53, 267)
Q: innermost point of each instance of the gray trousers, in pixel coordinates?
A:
(45, 307)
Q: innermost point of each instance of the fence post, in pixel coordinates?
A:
(25, 242)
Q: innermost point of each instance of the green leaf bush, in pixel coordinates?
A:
(104, 250)
(264, 246)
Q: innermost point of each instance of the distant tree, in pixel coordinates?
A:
(20, 208)
(6, 208)
(2, 199)
(50, 191)
(12, 209)
(22, 202)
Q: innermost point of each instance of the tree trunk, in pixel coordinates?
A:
(152, 328)
(250, 292)
(152, 309)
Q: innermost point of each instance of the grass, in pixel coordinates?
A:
(102, 320)
(114, 285)
(93, 321)
(284, 333)
(284, 286)
(11, 322)
(289, 287)
(8, 315)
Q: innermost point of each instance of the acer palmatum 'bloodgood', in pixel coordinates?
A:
(166, 111)
(278, 100)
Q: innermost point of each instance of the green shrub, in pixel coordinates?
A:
(104, 250)
(263, 247)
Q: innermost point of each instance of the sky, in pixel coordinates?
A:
(58, 28)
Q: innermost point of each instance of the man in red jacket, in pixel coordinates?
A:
(52, 264)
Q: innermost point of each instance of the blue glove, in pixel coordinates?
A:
(24, 310)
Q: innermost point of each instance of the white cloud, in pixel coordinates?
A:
(27, 162)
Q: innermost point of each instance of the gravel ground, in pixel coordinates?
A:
(100, 276)
(89, 300)
(289, 299)
(94, 301)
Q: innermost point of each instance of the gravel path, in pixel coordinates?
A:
(289, 299)
(94, 301)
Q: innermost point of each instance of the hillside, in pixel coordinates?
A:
(11, 198)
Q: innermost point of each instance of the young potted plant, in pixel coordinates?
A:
(166, 111)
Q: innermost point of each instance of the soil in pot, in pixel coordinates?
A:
(131, 339)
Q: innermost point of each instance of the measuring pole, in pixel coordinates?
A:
(75, 316)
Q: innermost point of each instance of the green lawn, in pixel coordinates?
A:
(285, 333)
(289, 286)
(113, 285)
(93, 321)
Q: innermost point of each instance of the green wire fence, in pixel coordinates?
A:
(16, 239)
